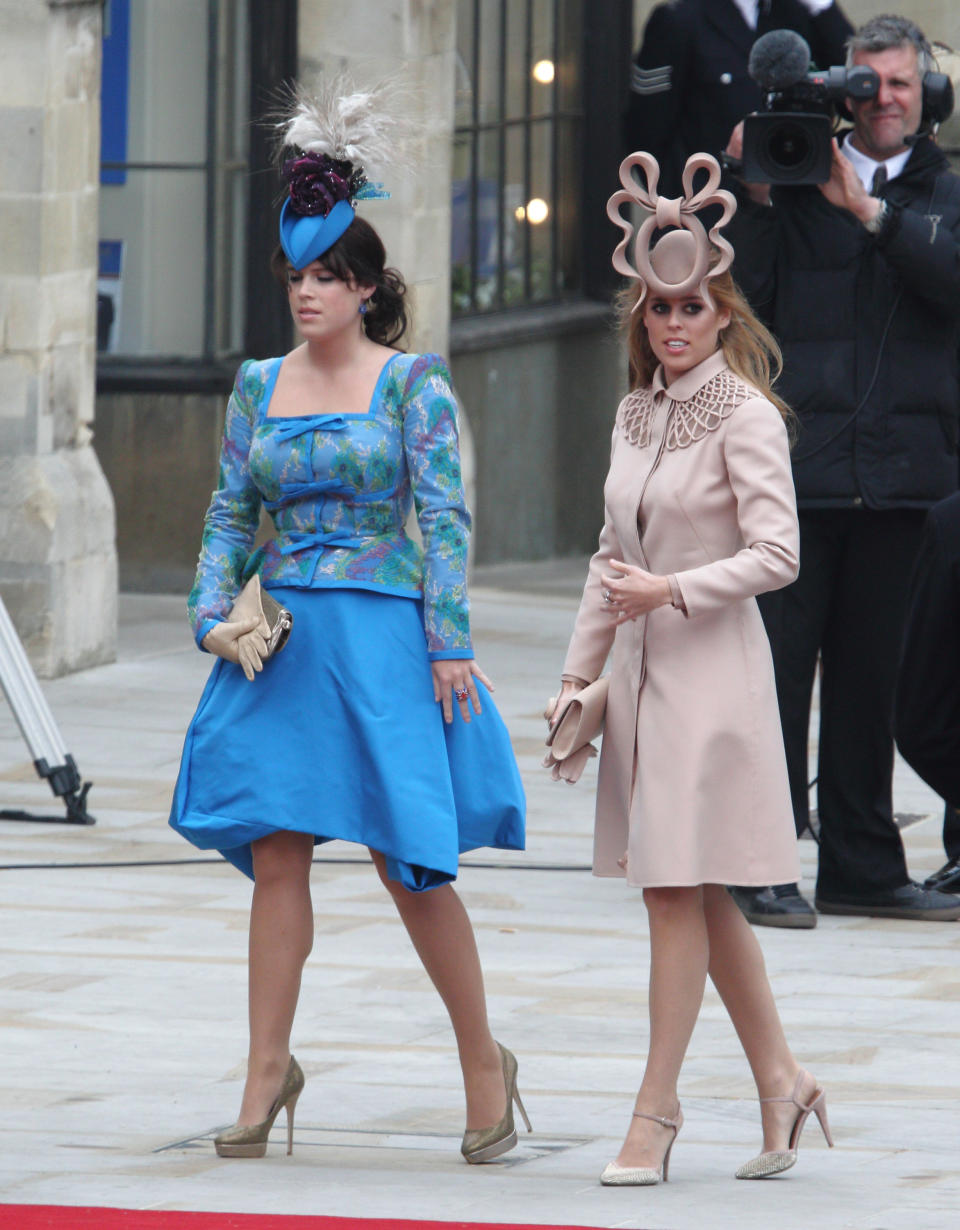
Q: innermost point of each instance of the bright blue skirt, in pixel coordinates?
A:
(340, 736)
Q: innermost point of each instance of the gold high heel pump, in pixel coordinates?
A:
(484, 1144)
(777, 1161)
(251, 1139)
(644, 1176)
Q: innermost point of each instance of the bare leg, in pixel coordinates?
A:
(441, 933)
(281, 936)
(678, 972)
(738, 972)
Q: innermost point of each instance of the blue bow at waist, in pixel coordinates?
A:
(293, 493)
(316, 540)
(289, 543)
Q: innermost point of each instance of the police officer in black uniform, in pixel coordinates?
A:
(689, 84)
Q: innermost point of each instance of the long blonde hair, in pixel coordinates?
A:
(750, 349)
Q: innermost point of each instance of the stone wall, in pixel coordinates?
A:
(57, 554)
(541, 404)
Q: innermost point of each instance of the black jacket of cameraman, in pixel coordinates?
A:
(689, 83)
(870, 329)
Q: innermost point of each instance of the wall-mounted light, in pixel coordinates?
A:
(537, 211)
(543, 71)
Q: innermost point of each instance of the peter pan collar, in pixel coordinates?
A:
(684, 387)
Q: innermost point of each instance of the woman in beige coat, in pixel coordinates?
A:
(692, 792)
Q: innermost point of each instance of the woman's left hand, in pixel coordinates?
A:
(453, 682)
(634, 592)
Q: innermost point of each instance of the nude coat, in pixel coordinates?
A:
(692, 777)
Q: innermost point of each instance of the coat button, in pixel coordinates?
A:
(726, 78)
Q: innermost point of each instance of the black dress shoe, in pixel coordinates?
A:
(911, 900)
(947, 879)
(780, 905)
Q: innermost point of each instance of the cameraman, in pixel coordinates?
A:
(689, 83)
(859, 278)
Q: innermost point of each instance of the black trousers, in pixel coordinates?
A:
(846, 607)
(951, 831)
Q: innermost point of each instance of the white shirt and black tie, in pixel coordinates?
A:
(868, 168)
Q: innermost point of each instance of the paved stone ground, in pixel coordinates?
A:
(122, 997)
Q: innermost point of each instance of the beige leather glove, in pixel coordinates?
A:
(569, 769)
(238, 640)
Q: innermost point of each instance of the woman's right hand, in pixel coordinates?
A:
(557, 704)
(238, 640)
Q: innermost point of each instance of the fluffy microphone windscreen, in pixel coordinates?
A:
(779, 59)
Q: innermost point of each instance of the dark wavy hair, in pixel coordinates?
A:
(360, 259)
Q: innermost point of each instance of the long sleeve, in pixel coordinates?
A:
(925, 254)
(927, 712)
(594, 630)
(757, 458)
(754, 233)
(433, 460)
(231, 521)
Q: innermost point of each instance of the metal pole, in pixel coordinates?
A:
(40, 732)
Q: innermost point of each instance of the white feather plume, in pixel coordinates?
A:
(370, 128)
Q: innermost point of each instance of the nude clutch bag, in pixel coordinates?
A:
(581, 720)
(254, 601)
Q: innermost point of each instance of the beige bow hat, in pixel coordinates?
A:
(684, 259)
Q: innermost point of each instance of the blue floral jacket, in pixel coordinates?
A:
(339, 488)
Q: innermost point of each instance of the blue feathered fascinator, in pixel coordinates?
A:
(329, 140)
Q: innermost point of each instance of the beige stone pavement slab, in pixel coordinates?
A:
(122, 998)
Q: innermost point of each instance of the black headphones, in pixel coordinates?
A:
(937, 98)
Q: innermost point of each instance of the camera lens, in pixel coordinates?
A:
(789, 149)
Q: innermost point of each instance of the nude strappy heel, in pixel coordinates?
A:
(766, 1164)
(644, 1176)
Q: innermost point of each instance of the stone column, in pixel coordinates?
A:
(58, 570)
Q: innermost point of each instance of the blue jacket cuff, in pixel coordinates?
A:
(202, 631)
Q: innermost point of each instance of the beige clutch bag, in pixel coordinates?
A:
(581, 720)
(254, 602)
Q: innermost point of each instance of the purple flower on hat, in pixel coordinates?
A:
(317, 182)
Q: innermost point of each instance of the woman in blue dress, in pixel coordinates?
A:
(373, 724)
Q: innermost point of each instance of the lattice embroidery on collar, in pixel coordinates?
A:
(705, 410)
(688, 420)
(635, 417)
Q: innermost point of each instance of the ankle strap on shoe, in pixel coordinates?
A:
(661, 1119)
(794, 1097)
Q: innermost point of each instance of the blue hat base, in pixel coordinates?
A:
(305, 237)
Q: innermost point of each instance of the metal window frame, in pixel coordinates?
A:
(605, 32)
(272, 61)
(499, 128)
